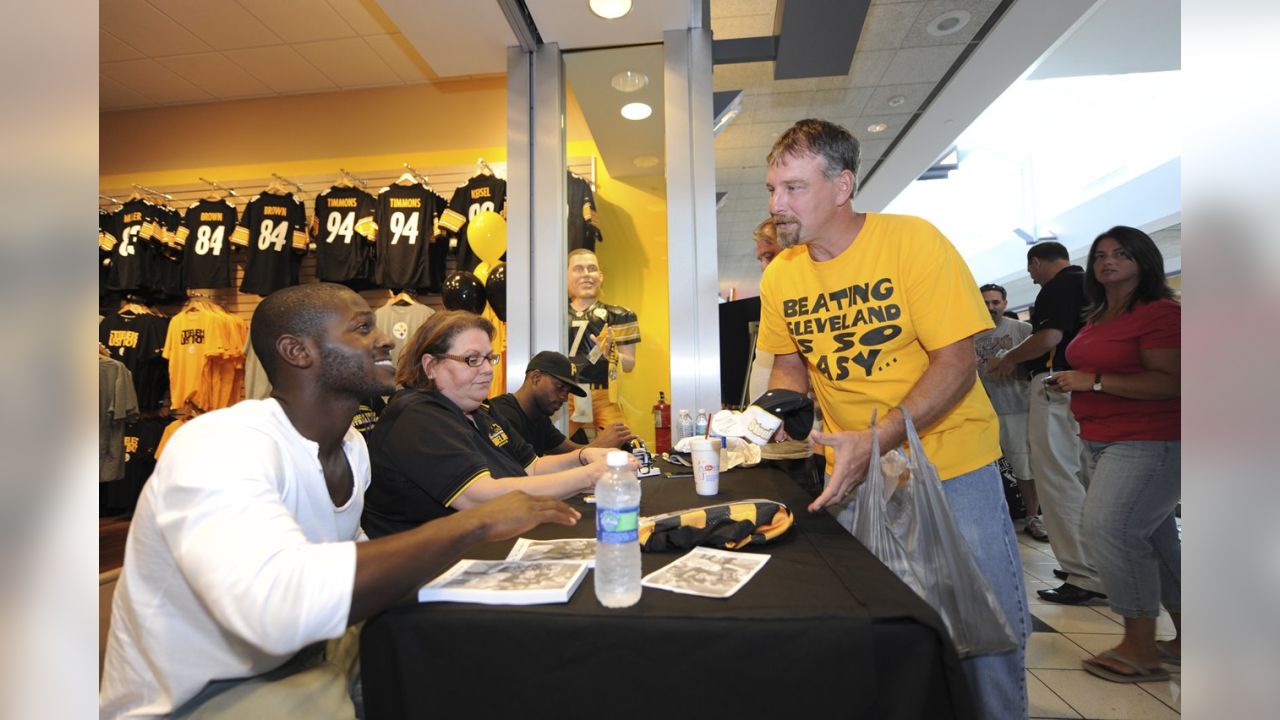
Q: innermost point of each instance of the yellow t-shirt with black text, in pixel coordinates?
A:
(864, 323)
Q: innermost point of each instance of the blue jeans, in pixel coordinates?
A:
(976, 499)
(1134, 487)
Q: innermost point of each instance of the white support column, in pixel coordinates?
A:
(536, 247)
(691, 221)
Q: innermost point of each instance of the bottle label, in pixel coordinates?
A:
(617, 525)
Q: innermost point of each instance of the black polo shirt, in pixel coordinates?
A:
(1059, 306)
(424, 452)
(538, 431)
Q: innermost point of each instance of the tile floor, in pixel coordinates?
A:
(1056, 684)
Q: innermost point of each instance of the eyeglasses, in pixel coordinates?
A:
(474, 361)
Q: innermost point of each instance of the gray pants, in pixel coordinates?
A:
(1057, 462)
(318, 682)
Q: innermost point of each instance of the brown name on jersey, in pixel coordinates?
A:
(406, 202)
(210, 217)
(275, 210)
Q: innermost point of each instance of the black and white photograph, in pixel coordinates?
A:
(575, 549)
(707, 572)
(503, 582)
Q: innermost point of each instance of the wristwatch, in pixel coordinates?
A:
(1097, 382)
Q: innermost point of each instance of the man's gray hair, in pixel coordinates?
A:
(837, 147)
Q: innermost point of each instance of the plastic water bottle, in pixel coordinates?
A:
(700, 425)
(617, 573)
(685, 424)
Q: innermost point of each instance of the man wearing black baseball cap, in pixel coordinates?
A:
(548, 379)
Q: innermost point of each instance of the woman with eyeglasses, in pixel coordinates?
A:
(437, 448)
(1125, 393)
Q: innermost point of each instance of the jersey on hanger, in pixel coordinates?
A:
(482, 193)
(273, 228)
(582, 205)
(343, 230)
(165, 277)
(205, 239)
(131, 227)
(405, 221)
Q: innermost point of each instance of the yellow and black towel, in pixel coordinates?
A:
(728, 526)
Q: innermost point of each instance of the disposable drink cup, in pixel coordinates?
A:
(705, 454)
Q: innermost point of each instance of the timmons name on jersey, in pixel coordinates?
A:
(405, 202)
(337, 202)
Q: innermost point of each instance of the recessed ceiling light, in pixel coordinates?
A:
(610, 9)
(636, 111)
(629, 81)
(645, 161)
(877, 127)
(949, 22)
(897, 100)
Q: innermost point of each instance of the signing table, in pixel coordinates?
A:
(823, 628)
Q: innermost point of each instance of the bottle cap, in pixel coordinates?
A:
(617, 458)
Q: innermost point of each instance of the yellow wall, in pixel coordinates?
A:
(633, 220)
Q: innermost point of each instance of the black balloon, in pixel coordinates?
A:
(495, 288)
(463, 291)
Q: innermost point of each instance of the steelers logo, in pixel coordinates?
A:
(400, 330)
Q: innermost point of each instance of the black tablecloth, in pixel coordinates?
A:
(822, 628)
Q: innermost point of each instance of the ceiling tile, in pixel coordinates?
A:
(157, 82)
(300, 20)
(895, 124)
(281, 68)
(398, 54)
(977, 12)
(920, 64)
(114, 96)
(349, 62)
(742, 26)
(217, 75)
(146, 29)
(737, 135)
(223, 25)
(868, 67)
(887, 25)
(358, 16)
(112, 48)
(741, 75)
(846, 102)
(912, 97)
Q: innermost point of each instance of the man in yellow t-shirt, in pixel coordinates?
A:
(875, 312)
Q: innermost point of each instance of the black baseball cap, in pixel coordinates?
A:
(557, 366)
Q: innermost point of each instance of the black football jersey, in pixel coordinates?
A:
(273, 228)
(581, 202)
(165, 271)
(131, 226)
(592, 321)
(343, 230)
(482, 193)
(405, 220)
(205, 239)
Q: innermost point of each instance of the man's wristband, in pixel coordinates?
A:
(580, 460)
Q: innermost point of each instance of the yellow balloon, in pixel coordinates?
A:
(482, 272)
(487, 233)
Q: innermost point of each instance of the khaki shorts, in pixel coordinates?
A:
(1015, 444)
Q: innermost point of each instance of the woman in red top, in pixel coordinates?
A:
(1125, 393)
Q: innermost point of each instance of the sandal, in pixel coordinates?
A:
(1139, 674)
(1167, 657)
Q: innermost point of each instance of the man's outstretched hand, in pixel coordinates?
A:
(612, 436)
(511, 514)
(853, 454)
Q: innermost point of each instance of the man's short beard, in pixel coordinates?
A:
(342, 373)
(786, 240)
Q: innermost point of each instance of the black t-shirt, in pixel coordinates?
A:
(205, 237)
(131, 226)
(405, 219)
(342, 229)
(592, 321)
(538, 431)
(582, 234)
(137, 340)
(274, 229)
(1059, 306)
(424, 453)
